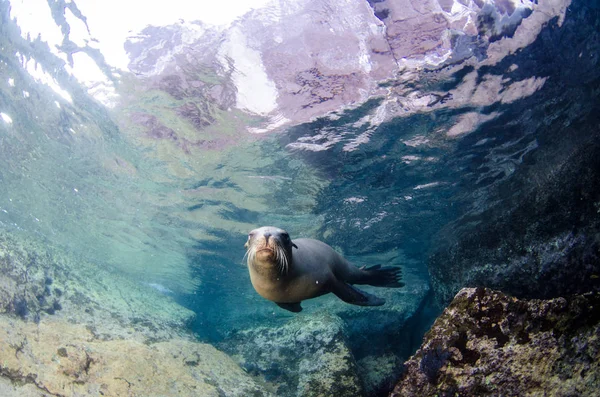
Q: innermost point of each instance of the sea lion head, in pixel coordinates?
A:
(270, 248)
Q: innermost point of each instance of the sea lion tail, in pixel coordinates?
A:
(386, 276)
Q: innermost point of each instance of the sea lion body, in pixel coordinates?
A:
(288, 272)
(313, 265)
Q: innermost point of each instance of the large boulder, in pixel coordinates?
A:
(308, 356)
(489, 344)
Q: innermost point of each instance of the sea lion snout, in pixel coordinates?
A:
(266, 236)
(269, 246)
(259, 241)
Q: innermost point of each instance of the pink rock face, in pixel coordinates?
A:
(296, 60)
(414, 28)
(319, 54)
(324, 55)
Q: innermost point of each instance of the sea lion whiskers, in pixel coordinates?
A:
(282, 259)
(247, 256)
(255, 245)
(278, 260)
(250, 253)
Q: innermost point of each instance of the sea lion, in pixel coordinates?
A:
(288, 272)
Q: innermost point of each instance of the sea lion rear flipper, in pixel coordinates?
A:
(354, 296)
(293, 307)
(378, 276)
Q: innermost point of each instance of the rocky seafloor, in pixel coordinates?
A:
(68, 329)
(57, 358)
(485, 343)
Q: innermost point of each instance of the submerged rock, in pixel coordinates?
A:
(308, 356)
(489, 344)
(379, 373)
(61, 359)
(536, 236)
(37, 281)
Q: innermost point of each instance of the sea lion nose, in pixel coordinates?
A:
(267, 235)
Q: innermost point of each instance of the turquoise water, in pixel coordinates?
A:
(171, 216)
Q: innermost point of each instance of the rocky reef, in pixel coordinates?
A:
(56, 358)
(37, 281)
(490, 344)
(537, 236)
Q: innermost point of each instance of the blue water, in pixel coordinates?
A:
(79, 178)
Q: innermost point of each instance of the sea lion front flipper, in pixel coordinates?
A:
(293, 307)
(354, 296)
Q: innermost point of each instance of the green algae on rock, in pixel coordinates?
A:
(489, 344)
